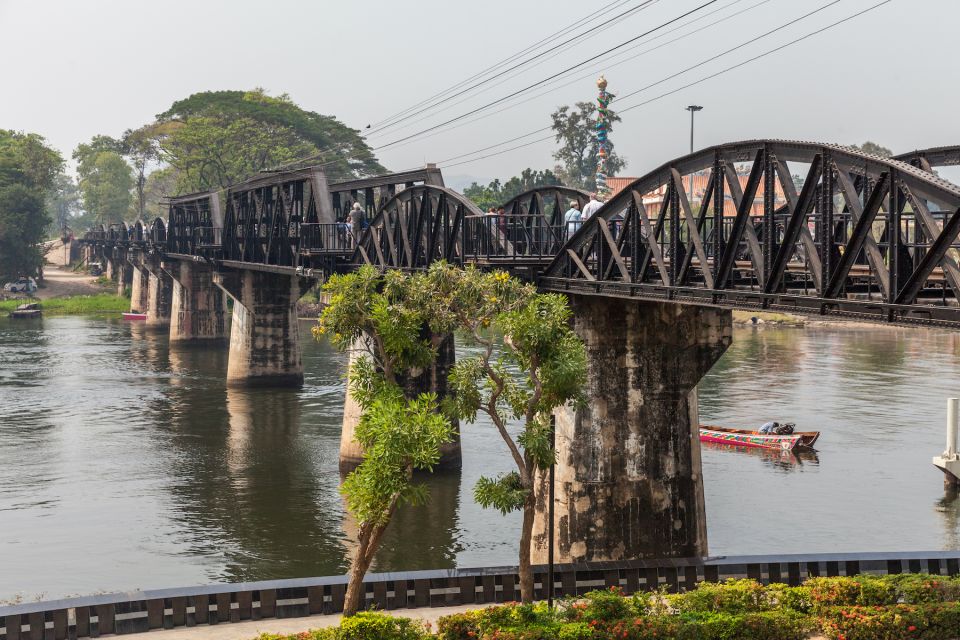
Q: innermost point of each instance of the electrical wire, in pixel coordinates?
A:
(688, 85)
(565, 44)
(584, 20)
(536, 84)
(600, 64)
(731, 50)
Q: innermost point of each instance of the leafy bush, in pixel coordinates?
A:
(731, 596)
(600, 606)
(931, 621)
(459, 626)
(869, 590)
(368, 625)
(781, 596)
(577, 631)
(915, 588)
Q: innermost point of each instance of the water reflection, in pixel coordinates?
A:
(949, 509)
(776, 458)
(124, 464)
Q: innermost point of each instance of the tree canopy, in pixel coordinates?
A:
(497, 193)
(217, 138)
(575, 131)
(874, 148)
(105, 180)
(28, 168)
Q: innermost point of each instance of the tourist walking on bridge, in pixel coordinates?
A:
(591, 207)
(357, 219)
(572, 218)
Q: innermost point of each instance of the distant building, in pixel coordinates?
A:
(654, 198)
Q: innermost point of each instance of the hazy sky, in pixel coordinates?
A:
(73, 69)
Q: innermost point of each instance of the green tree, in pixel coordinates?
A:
(398, 434)
(28, 168)
(63, 204)
(575, 131)
(495, 193)
(874, 148)
(540, 366)
(141, 148)
(217, 138)
(105, 180)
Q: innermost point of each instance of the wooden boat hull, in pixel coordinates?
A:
(24, 314)
(134, 316)
(745, 438)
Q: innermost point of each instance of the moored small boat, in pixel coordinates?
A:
(746, 438)
(29, 310)
(134, 316)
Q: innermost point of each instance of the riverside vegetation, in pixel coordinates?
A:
(909, 606)
(74, 305)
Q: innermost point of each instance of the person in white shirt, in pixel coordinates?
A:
(572, 218)
(591, 207)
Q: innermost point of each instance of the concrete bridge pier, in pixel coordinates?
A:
(159, 294)
(264, 332)
(197, 309)
(124, 273)
(433, 379)
(628, 475)
(139, 286)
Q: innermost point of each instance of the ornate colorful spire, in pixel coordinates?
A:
(603, 99)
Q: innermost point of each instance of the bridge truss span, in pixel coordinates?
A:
(798, 226)
(425, 223)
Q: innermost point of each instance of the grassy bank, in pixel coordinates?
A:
(74, 305)
(863, 607)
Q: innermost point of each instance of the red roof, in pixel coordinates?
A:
(617, 184)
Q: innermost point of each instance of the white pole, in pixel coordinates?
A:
(952, 411)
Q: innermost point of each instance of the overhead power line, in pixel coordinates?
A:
(584, 20)
(598, 65)
(547, 79)
(563, 44)
(680, 88)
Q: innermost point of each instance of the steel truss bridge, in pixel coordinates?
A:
(780, 225)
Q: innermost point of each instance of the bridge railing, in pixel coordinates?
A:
(139, 611)
(208, 241)
(512, 236)
(326, 238)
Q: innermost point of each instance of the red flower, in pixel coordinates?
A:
(911, 628)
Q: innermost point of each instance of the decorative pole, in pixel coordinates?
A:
(603, 99)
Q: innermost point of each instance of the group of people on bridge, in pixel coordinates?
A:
(574, 217)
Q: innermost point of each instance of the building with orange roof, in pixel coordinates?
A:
(654, 198)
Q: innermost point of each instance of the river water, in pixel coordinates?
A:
(125, 464)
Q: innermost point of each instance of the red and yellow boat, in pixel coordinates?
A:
(746, 438)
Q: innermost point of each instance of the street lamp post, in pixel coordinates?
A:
(693, 108)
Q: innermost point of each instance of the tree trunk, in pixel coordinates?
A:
(526, 536)
(358, 568)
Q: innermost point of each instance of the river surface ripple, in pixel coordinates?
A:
(125, 464)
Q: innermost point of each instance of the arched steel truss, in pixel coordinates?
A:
(418, 226)
(928, 159)
(856, 234)
(425, 223)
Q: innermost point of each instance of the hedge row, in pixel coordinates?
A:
(846, 608)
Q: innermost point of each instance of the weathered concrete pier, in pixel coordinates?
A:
(264, 333)
(628, 479)
(430, 380)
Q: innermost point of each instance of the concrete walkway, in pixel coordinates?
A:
(251, 629)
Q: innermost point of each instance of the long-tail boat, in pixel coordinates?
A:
(746, 438)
